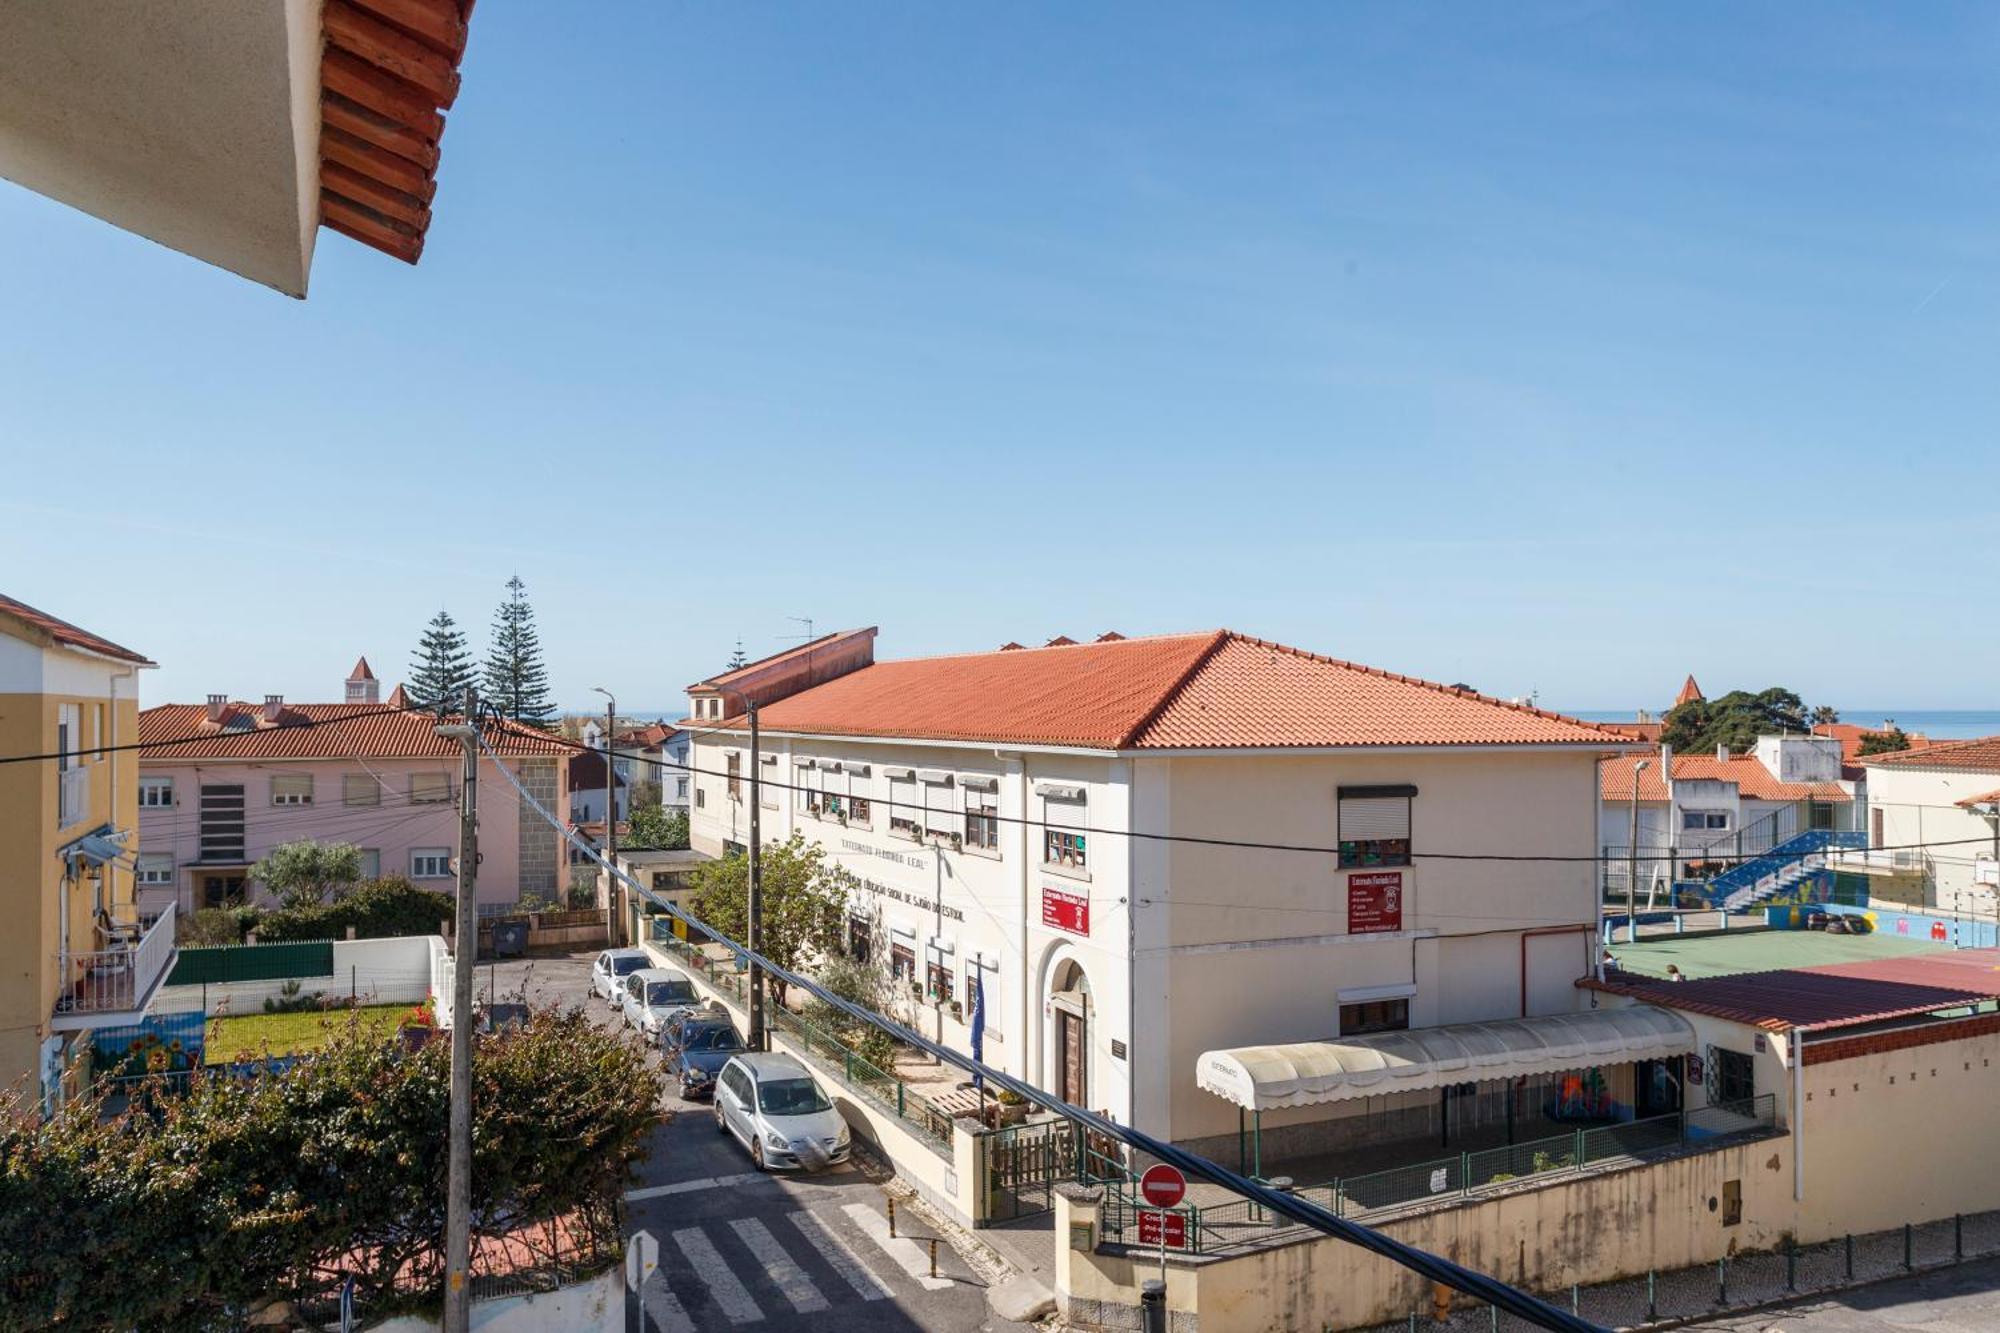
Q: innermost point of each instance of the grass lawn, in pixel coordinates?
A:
(250, 1036)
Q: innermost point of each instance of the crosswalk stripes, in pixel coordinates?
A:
(788, 1276)
(839, 1256)
(911, 1257)
(731, 1296)
(664, 1311)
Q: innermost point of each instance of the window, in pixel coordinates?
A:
(97, 728)
(860, 939)
(1704, 819)
(156, 869)
(360, 789)
(860, 810)
(681, 788)
(904, 815)
(1375, 826)
(735, 776)
(937, 981)
(155, 792)
(767, 788)
(1735, 1076)
(429, 788)
(700, 799)
(982, 821)
(430, 863)
(291, 789)
(1065, 847)
(942, 820)
(371, 863)
(902, 963)
(1374, 1016)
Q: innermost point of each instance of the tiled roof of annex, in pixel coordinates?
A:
(1980, 755)
(68, 635)
(1211, 690)
(1830, 996)
(318, 731)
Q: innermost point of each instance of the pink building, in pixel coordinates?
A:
(222, 783)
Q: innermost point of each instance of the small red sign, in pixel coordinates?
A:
(1065, 910)
(1169, 1229)
(1163, 1185)
(1374, 901)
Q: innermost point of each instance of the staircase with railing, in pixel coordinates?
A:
(1768, 874)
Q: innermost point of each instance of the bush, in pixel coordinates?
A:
(857, 983)
(376, 910)
(210, 927)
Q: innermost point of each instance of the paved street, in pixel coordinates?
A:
(774, 1251)
(1965, 1298)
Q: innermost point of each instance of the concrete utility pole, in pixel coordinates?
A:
(458, 1194)
(610, 815)
(1632, 861)
(754, 908)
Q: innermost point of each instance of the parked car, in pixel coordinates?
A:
(652, 995)
(670, 1032)
(702, 1042)
(608, 973)
(773, 1107)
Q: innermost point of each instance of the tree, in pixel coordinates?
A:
(1825, 715)
(441, 668)
(516, 682)
(805, 902)
(736, 659)
(1735, 720)
(655, 828)
(305, 873)
(1887, 741)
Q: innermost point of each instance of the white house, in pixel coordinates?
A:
(1004, 812)
(1936, 811)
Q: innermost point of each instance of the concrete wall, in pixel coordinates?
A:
(1917, 805)
(590, 1306)
(386, 971)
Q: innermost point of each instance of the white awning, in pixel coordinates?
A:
(1306, 1073)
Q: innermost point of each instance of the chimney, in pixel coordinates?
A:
(1721, 751)
(274, 708)
(216, 703)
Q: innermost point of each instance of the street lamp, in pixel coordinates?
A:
(610, 815)
(1632, 863)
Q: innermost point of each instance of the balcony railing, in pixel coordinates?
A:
(118, 979)
(72, 796)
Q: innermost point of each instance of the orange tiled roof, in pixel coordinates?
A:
(68, 635)
(1974, 756)
(1214, 690)
(1984, 798)
(1753, 781)
(1689, 692)
(381, 734)
(803, 650)
(361, 671)
(1851, 734)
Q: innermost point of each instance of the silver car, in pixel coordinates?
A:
(608, 973)
(773, 1107)
(653, 995)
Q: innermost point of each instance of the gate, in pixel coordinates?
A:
(1022, 1164)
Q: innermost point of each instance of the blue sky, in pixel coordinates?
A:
(1566, 348)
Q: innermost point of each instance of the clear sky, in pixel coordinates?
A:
(1568, 347)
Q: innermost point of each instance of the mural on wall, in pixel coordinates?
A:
(1583, 1096)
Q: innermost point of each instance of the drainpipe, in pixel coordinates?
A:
(1526, 935)
(1798, 1115)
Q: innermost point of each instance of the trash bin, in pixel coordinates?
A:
(510, 939)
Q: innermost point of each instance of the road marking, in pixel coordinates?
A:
(663, 1308)
(840, 1256)
(790, 1278)
(690, 1186)
(734, 1299)
(911, 1257)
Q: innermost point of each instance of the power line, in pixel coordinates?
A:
(1289, 1205)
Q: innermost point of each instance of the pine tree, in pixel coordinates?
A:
(441, 668)
(516, 682)
(737, 659)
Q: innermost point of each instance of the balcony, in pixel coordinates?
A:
(72, 796)
(116, 983)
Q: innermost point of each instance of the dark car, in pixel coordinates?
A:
(702, 1045)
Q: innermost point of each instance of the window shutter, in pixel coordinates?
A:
(1373, 818)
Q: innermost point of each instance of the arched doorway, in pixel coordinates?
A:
(1068, 1065)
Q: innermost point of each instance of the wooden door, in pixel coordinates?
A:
(1075, 1085)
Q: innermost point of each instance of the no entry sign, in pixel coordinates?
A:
(1166, 1230)
(1163, 1186)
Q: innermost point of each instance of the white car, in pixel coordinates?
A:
(653, 995)
(608, 973)
(773, 1107)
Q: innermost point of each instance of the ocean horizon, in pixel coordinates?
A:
(1940, 724)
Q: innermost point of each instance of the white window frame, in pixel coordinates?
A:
(300, 787)
(364, 784)
(982, 806)
(905, 804)
(423, 793)
(434, 860)
(767, 785)
(944, 819)
(154, 870)
(151, 790)
(1074, 813)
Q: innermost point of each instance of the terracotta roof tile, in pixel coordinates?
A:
(1833, 995)
(68, 635)
(1753, 781)
(373, 734)
(361, 671)
(1973, 756)
(1850, 735)
(1212, 690)
(752, 668)
(1984, 798)
(1689, 692)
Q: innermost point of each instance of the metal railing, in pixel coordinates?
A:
(1240, 1221)
(72, 796)
(105, 981)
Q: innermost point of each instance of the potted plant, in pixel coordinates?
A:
(958, 1011)
(917, 832)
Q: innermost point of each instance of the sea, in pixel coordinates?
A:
(1940, 724)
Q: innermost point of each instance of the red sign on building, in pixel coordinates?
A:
(1064, 910)
(1374, 901)
(1157, 1227)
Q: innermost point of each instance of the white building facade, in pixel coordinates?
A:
(1937, 811)
(1039, 822)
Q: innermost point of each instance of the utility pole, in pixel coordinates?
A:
(1632, 861)
(458, 1194)
(610, 815)
(755, 907)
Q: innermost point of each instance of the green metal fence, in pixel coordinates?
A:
(253, 962)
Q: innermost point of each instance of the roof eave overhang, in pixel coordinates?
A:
(742, 733)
